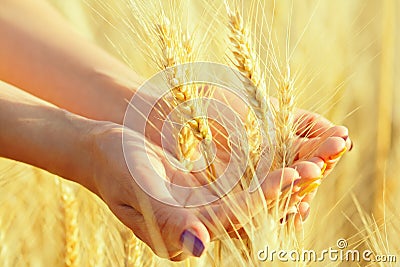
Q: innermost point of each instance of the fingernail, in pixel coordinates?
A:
(287, 217)
(306, 214)
(192, 243)
(348, 140)
(338, 155)
(351, 145)
(306, 190)
(323, 168)
(306, 181)
(286, 188)
(319, 161)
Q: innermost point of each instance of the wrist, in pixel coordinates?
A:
(77, 162)
(42, 135)
(105, 152)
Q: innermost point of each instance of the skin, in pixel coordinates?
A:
(62, 102)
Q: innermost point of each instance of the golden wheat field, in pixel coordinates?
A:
(345, 56)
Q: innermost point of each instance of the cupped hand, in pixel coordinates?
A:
(159, 216)
(319, 142)
(156, 212)
(169, 230)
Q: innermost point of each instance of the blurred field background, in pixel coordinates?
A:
(347, 59)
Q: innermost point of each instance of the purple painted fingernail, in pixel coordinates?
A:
(192, 243)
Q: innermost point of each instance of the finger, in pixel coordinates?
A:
(238, 208)
(229, 213)
(309, 169)
(180, 257)
(302, 215)
(320, 163)
(287, 206)
(311, 124)
(148, 172)
(277, 181)
(176, 173)
(166, 229)
(180, 228)
(309, 197)
(307, 200)
(136, 222)
(132, 219)
(238, 233)
(297, 216)
(285, 210)
(284, 198)
(314, 125)
(338, 131)
(310, 172)
(329, 151)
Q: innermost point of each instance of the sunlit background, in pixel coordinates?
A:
(346, 56)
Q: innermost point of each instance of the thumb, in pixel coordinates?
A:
(181, 228)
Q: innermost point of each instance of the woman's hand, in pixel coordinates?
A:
(173, 231)
(158, 216)
(92, 154)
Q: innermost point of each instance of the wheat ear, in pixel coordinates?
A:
(177, 48)
(70, 208)
(133, 250)
(285, 132)
(246, 61)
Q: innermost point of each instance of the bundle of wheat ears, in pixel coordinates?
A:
(66, 225)
(268, 126)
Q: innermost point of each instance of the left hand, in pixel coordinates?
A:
(320, 143)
